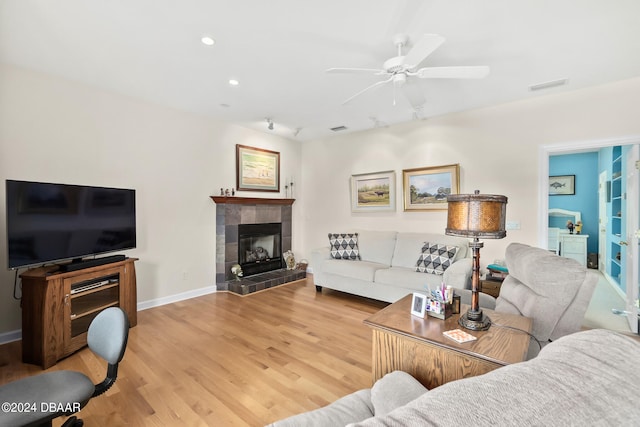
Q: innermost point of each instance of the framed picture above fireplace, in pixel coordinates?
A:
(257, 169)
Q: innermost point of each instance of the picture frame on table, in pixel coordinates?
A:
(373, 192)
(257, 169)
(418, 304)
(426, 189)
(562, 185)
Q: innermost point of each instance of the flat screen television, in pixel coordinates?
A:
(49, 222)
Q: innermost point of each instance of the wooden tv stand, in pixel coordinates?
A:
(57, 307)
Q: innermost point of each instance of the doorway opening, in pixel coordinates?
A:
(627, 279)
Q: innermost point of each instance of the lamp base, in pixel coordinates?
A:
(475, 321)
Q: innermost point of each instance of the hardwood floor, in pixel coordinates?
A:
(226, 360)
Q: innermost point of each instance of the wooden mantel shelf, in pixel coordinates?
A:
(251, 200)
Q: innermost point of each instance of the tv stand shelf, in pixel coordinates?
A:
(58, 306)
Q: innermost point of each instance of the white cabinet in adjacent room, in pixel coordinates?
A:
(574, 246)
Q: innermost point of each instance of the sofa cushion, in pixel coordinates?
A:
(344, 246)
(361, 270)
(376, 246)
(395, 389)
(409, 245)
(407, 278)
(435, 258)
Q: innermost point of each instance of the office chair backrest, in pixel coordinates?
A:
(107, 337)
(108, 334)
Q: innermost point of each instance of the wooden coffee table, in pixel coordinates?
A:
(417, 346)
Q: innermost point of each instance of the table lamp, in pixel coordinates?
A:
(477, 216)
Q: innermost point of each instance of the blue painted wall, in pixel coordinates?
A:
(585, 167)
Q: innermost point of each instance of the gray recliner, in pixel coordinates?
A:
(58, 393)
(554, 291)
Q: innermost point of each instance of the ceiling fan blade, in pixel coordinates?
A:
(366, 89)
(471, 72)
(355, 71)
(414, 95)
(423, 48)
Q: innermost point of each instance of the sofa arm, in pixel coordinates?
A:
(484, 300)
(458, 275)
(318, 256)
(352, 408)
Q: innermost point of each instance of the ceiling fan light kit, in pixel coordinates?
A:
(400, 69)
(209, 41)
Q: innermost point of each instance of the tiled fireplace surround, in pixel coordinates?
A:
(231, 211)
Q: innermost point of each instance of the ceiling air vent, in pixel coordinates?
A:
(339, 128)
(549, 84)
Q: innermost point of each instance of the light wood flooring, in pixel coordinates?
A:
(226, 360)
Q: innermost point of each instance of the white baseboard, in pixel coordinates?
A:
(144, 305)
(7, 337)
(11, 336)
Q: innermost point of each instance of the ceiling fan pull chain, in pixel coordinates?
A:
(394, 94)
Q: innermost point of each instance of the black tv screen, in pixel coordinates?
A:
(54, 222)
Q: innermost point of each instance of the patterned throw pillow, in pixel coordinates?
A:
(344, 246)
(436, 258)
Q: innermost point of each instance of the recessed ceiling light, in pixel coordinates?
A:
(234, 82)
(208, 41)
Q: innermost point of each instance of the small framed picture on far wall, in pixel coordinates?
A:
(562, 185)
(418, 304)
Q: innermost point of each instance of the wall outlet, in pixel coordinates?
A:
(513, 225)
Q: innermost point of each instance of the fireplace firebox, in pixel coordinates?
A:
(259, 247)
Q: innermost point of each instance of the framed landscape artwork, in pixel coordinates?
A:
(257, 169)
(427, 189)
(373, 192)
(562, 185)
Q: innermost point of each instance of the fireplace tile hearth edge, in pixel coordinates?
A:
(262, 281)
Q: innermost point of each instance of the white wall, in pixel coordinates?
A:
(59, 131)
(53, 130)
(497, 149)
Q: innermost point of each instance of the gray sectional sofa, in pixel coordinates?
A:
(583, 379)
(386, 270)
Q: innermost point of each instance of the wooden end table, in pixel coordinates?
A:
(417, 346)
(491, 287)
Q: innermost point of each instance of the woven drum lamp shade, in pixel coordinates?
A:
(476, 215)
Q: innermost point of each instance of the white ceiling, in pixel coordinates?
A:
(279, 51)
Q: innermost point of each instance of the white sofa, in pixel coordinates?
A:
(386, 270)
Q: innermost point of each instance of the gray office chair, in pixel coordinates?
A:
(36, 400)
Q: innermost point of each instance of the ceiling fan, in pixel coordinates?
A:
(399, 69)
